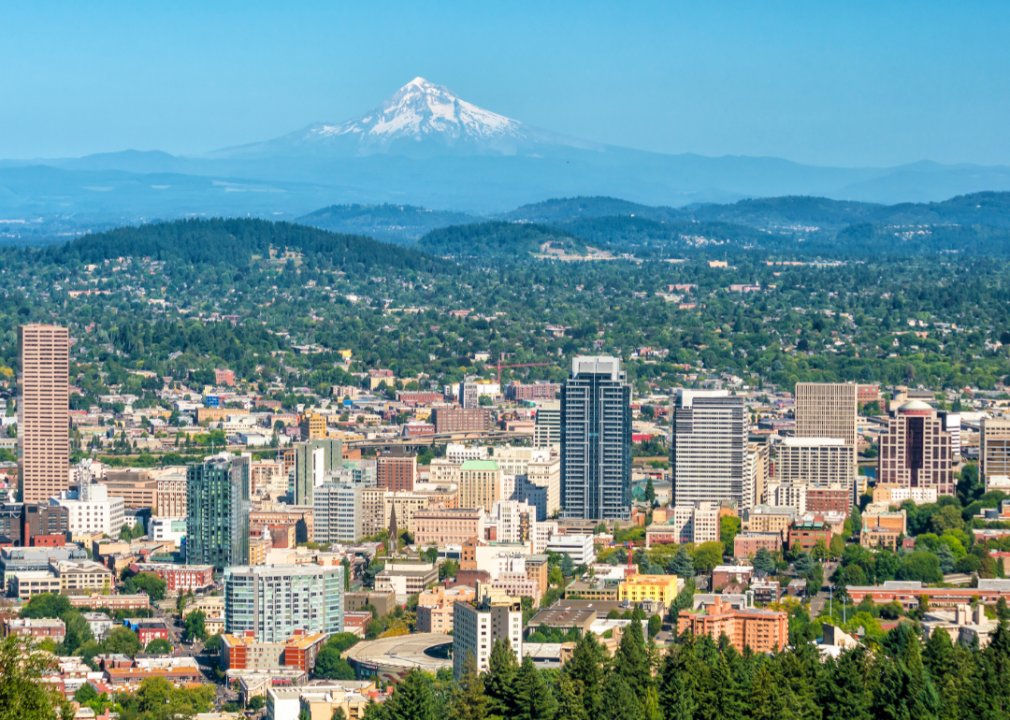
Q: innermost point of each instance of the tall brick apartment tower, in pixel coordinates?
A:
(43, 411)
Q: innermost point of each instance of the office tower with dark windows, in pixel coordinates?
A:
(44, 411)
(916, 451)
(708, 448)
(217, 501)
(596, 441)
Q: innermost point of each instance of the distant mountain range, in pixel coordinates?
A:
(425, 146)
(598, 218)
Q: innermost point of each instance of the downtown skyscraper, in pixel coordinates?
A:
(217, 499)
(44, 411)
(596, 441)
(708, 448)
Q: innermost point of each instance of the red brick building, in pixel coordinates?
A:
(806, 535)
(224, 377)
(396, 471)
(534, 391)
(457, 419)
(747, 544)
(908, 593)
(867, 393)
(419, 398)
(180, 578)
(835, 498)
(760, 630)
(112, 602)
(48, 540)
(37, 628)
(148, 629)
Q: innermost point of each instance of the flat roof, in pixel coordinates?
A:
(479, 465)
(563, 617)
(403, 651)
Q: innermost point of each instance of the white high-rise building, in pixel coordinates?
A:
(477, 626)
(516, 521)
(541, 486)
(814, 461)
(547, 430)
(274, 601)
(708, 448)
(337, 510)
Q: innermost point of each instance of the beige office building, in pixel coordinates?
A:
(815, 461)
(756, 474)
(994, 447)
(479, 484)
(43, 411)
(826, 410)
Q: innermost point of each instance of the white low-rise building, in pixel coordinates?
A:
(91, 510)
(579, 548)
(167, 529)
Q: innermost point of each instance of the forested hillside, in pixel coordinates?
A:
(794, 225)
(402, 224)
(498, 240)
(565, 209)
(233, 241)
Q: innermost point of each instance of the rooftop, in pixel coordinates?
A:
(479, 465)
(403, 651)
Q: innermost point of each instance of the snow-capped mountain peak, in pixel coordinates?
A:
(423, 109)
(421, 119)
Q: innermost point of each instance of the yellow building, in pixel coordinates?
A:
(657, 588)
(313, 427)
(258, 549)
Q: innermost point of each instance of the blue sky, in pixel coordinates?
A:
(828, 83)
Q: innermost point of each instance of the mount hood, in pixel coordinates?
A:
(420, 120)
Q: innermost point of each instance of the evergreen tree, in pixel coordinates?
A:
(947, 667)
(764, 562)
(650, 492)
(412, 700)
(469, 701)
(800, 674)
(804, 563)
(995, 667)
(905, 689)
(946, 557)
(768, 699)
(680, 675)
(632, 661)
(586, 671)
(570, 699)
(499, 683)
(619, 701)
(682, 565)
(533, 700)
(846, 690)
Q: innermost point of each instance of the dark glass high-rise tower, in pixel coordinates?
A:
(596, 441)
(217, 498)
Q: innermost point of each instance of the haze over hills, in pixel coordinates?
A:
(427, 147)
